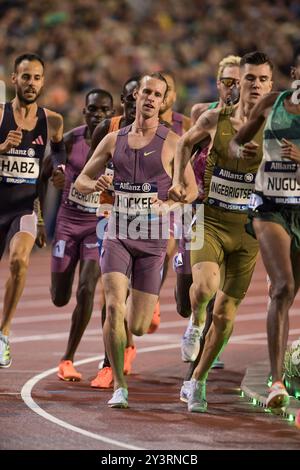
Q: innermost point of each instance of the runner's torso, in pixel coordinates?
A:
(276, 176)
(72, 200)
(20, 167)
(228, 183)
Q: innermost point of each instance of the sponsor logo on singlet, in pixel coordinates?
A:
(84, 202)
(230, 189)
(280, 182)
(19, 168)
(134, 198)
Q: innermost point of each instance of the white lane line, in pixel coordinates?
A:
(52, 336)
(28, 400)
(42, 303)
(42, 318)
(172, 324)
(92, 335)
(242, 338)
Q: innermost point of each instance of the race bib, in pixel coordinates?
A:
(134, 199)
(84, 202)
(280, 183)
(59, 249)
(177, 261)
(230, 189)
(19, 169)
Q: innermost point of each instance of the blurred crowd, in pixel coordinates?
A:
(100, 43)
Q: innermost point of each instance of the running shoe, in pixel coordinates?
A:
(190, 343)
(217, 364)
(278, 396)
(5, 357)
(66, 371)
(155, 322)
(129, 356)
(197, 398)
(119, 399)
(103, 379)
(185, 391)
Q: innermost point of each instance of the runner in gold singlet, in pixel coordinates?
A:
(228, 185)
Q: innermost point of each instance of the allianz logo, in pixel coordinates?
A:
(24, 152)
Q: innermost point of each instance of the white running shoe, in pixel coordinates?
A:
(5, 357)
(185, 391)
(190, 343)
(278, 396)
(197, 399)
(119, 399)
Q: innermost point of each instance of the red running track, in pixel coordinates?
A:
(52, 414)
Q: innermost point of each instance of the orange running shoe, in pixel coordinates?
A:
(155, 320)
(129, 356)
(104, 378)
(66, 371)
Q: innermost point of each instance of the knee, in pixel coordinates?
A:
(59, 298)
(223, 324)
(114, 314)
(201, 293)
(85, 292)
(137, 330)
(283, 291)
(18, 265)
(183, 307)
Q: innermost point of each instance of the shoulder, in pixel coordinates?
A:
(198, 109)
(109, 140)
(100, 132)
(208, 118)
(172, 138)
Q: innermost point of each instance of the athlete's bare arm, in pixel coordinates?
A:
(204, 127)
(13, 138)
(242, 146)
(168, 155)
(191, 188)
(86, 183)
(55, 125)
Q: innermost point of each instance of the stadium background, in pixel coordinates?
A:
(100, 43)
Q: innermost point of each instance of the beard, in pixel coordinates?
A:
(25, 100)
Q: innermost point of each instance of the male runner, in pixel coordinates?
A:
(75, 234)
(24, 132)
(143, 157)
(228, 185)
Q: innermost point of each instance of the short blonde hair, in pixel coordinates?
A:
(228, 61)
